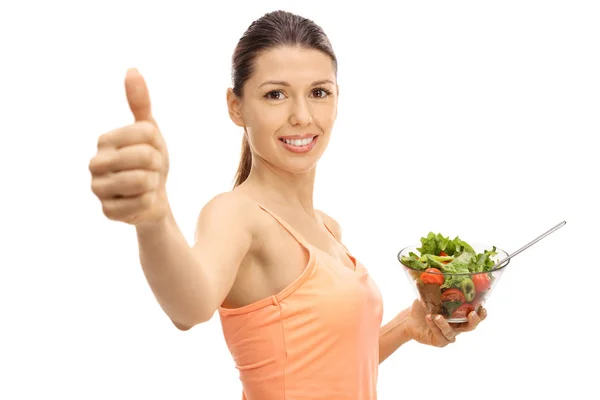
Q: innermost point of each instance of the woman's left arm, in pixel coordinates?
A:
(393, 335)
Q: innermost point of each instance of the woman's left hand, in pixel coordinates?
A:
(434, 330)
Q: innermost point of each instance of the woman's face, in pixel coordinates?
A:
(288, 107)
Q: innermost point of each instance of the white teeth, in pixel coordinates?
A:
(298, 142)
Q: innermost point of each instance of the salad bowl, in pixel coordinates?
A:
(450, 276)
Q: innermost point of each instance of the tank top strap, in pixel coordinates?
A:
(331, 232)
(286, 226)
(348, 252)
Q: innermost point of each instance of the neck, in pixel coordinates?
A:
(282, 187)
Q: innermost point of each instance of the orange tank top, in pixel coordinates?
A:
(316, 339)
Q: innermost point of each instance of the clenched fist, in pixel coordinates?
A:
(129, 171)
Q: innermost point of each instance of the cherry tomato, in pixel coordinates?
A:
(463, 311)
(482, 282)
(432, 275)
(453, 294)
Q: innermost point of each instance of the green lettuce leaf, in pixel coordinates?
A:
(414, 263)
(435, 243)
(453, 281)
(461, 258)
(437, 261)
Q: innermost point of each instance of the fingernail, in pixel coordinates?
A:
(428, 317)
(438, 318)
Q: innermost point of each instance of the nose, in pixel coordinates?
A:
(300, 113)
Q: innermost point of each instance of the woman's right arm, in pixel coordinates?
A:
(191, 282)
(129, 173)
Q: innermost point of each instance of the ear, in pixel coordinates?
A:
(234, 108)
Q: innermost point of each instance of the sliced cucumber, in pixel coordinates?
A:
(468, 288)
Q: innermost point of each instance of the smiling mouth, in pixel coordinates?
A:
(298, 142)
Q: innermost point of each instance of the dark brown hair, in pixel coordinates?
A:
(274, 29)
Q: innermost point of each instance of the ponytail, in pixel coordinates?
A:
(245, 163)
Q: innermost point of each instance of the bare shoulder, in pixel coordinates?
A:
(332, 224)
(229, 210)
(225, 232)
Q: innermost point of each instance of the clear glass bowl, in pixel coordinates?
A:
(459, 294)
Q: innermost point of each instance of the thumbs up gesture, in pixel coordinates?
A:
(129, 171)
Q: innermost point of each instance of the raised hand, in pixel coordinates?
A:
(129, 171)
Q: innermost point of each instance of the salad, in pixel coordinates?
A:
(452, 278)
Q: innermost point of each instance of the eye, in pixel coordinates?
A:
(274, 95)
(321, 93)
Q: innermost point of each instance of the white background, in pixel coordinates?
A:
(467, 118)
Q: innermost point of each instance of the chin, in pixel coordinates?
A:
(300, 166)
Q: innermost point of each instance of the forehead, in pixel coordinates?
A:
(293, 65)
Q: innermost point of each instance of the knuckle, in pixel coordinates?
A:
(146, 200)
(137, 180)
(154, 180)
(149, 157)
(96, 187)
(99, 163)
(93, 164)
(103, 140)
(108, 139)
(142, 180)
(145, 156)
(109, 212)
(149, 181)
(146, 130)
(157, 160)
(145, 125)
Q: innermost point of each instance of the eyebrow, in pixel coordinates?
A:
(284, 83)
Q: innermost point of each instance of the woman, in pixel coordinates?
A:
(301, 316)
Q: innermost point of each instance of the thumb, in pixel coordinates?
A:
(138, 96)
